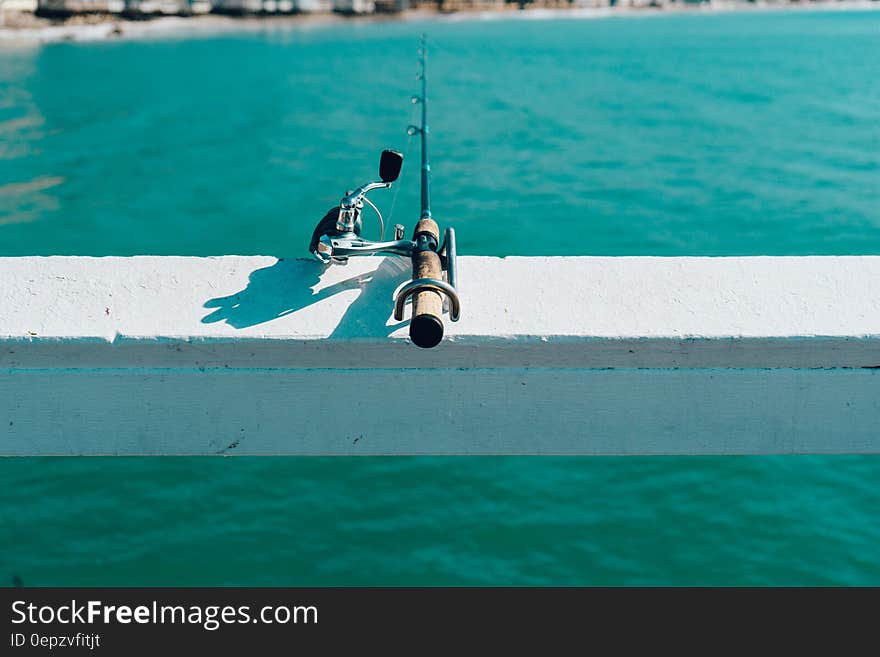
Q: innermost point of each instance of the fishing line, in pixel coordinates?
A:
(406, 150)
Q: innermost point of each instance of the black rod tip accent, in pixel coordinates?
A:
(426, 331)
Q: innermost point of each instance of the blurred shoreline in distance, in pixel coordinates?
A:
(24, 22)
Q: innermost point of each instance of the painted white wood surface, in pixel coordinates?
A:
(255, 355)
(236, 311)
(494, 411)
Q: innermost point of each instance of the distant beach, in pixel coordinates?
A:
(26, 28)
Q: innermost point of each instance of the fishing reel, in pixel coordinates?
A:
(337, 237)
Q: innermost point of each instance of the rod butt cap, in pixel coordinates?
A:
(426, 331)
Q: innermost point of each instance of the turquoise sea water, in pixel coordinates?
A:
(697, 135)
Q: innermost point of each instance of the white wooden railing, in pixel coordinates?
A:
(255, 355)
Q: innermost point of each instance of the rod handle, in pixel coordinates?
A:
(426, 325)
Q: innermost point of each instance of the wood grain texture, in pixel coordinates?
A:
(510, 411)
(256, 355)
(256, 311)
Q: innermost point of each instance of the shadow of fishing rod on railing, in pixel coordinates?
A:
(291, 285)
(280, 289)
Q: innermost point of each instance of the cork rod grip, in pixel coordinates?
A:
(426, 326)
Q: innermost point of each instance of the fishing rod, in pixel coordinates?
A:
(337, 237)
(423, 130)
